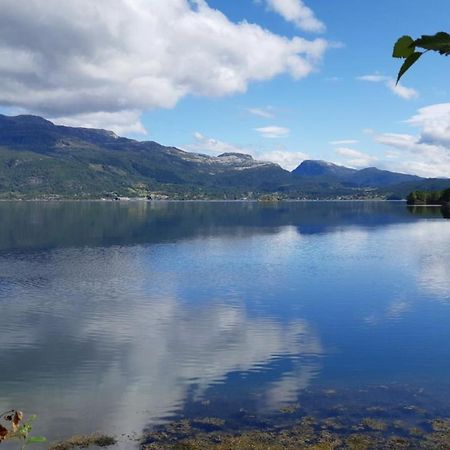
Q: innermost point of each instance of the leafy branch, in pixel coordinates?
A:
(14, 427)
(406, 46)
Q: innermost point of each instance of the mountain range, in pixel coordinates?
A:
(39, 159)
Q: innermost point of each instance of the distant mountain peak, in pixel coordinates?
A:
(27, 119)
(368, 177)
(32, 118)
(319, 162)
(311, 167)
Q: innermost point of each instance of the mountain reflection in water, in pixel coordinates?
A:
(117, 316)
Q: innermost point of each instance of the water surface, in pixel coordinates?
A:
(118, 316)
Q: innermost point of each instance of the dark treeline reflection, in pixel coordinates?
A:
(55, 224)
(430, 212)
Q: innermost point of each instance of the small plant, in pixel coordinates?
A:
(12, 426)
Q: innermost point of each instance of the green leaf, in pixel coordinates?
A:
(439, 42)
(404, 47)
(36, 440)
(409, 61)
(25, 428)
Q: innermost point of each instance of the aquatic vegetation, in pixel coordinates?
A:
(441, 425)
(96, 440)
(378, 417)
(290, 409)
(374, 424)
(415, 431)
(209, 423)
(376, 410)
(308, 433)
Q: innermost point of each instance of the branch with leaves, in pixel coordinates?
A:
(12, 426)
(406, 48)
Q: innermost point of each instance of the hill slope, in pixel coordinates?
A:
(40, 160)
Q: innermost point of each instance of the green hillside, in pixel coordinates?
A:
(41, 160)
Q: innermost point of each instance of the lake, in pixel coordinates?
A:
(122, 316)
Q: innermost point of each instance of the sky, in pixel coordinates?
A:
(282, 80)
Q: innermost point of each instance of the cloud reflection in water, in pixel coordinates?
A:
(110, 344)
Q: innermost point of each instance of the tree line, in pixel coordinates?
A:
(429, 197)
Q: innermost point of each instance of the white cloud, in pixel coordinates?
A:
(266, 113)
(392, 155)
(428, 152)
(422, 159)
(435, 123)
(273, 131)
(123, 122)
(286, 159)
(356, 158)
(373, 78)
(213, 147)
(80, 57)
(297, 12)
(398, 89)
(344, 142)
(402, 91)
(349, 152)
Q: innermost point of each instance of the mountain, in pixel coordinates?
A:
(372, 176)
(312, 168)
(369, 177)
(39, 159)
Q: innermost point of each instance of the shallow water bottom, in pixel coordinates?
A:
(372, 417)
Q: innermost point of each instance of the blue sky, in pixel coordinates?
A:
(232, 75)
(331, 104)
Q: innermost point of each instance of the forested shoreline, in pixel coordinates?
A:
(429, 198)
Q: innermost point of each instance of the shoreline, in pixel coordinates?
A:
(139, 200)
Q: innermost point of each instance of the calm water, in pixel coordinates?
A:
(115, 316)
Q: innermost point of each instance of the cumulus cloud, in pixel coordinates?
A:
(298, 13)
(435, 123)
(79, 57)
(428, 152)
(356, 158)
(398, 89)
(289, 160)
(273, 131)
(422, 159)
